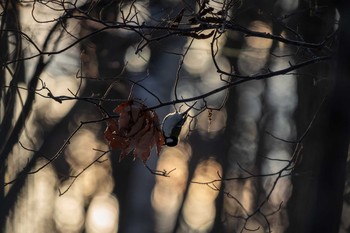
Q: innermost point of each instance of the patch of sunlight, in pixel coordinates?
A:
(281, 126)
(281, 194)
(44, 11)
(281, 98)
(249, 108)
(69, 213)
(77, 155)
(187, 89)
(137, 62)
(46, 108)
(256, 50)
(168, 192)
(97, 177)
(134, 13)
(207, 81)
(241, 199)
(251, 62)
(287, 5)
(65, 63)
(258, 42)
(103, 214)
(281, 89)
(199, 207)
(198, 59)
(210, 123)
(38, 196)
(212, 80)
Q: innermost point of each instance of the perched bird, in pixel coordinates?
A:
(172, 125)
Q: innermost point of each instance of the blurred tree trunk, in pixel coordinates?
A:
(330, 187)
(316, 204)
(14, 74)
(7, 98)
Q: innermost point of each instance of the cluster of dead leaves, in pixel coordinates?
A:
(135, 132)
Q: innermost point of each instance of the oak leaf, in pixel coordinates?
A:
(136, 131)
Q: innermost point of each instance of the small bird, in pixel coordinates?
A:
(172, 125)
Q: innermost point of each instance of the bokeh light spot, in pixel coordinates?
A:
(103, 214)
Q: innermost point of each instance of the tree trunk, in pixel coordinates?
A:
(330, 188)
(316, 205)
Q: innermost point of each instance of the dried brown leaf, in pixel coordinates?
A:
(136, 132)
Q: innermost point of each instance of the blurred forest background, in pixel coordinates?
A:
(264, 149)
